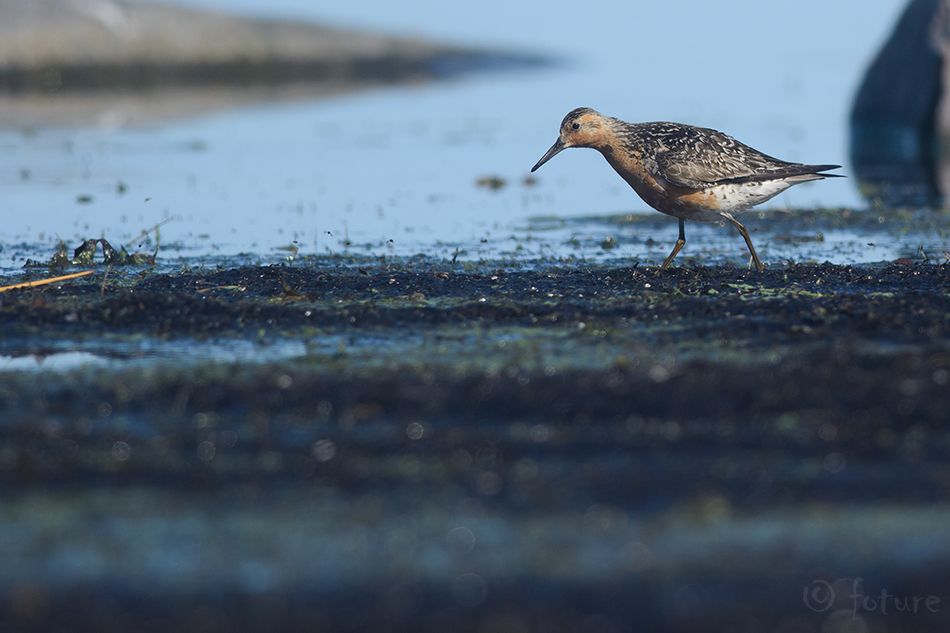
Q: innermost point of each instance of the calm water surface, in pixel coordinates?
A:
(394, 170)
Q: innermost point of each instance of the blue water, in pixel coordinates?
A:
(394, 170)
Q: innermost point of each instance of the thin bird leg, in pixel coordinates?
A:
(748, 241)
(679, 245)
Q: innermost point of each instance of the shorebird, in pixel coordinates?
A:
(692, 173)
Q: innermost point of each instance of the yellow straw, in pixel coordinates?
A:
(52, 280)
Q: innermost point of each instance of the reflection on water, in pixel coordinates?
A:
(117, 107)
(124, 109)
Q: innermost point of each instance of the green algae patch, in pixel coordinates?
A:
(86, 255)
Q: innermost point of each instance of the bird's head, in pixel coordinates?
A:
(582, 127)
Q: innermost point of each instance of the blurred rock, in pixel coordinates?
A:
(76, 43)
(893, 134)
(120, 61)
(940, 36)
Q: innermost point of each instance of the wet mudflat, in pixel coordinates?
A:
(420, 444)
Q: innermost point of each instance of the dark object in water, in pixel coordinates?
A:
(894, 147)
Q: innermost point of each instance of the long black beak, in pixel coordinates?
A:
(551, 153)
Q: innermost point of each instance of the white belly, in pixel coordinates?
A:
(733, 198)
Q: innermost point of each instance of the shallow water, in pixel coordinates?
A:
(395, 170)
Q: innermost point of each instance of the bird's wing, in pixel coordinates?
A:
(697, 173)
(697, 158)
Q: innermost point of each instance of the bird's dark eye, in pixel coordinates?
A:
(576, 126)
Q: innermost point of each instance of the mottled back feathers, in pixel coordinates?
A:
(700, 158)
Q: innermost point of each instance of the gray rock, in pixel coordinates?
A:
(45, 33)
(121, 62)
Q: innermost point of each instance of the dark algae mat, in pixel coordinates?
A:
(411, 444)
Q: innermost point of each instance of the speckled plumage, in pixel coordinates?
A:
(688, 172)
